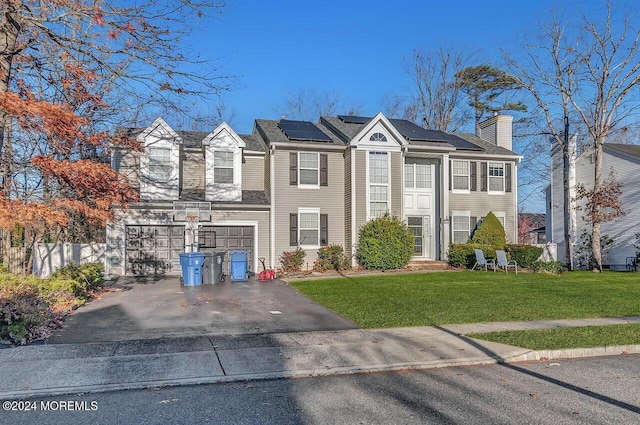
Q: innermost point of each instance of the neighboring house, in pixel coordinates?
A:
(297, 183)
(625, 160)
(531, 228)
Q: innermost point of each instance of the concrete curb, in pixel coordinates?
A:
(524, 356)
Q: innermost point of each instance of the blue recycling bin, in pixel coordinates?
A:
(238, 266)
(191, 264)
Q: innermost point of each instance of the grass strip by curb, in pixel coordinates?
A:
(563, 338)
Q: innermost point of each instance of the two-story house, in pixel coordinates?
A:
(296, 183)
(625, 160)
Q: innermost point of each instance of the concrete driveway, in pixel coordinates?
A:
(147, 308)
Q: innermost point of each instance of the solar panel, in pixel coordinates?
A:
(353, 119)
(462, 144)
(303, 130)
(411, 131)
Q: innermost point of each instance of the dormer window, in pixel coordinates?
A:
(378, 137)
(160, 164)
(223, 167)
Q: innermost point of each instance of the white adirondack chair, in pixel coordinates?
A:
(483, 262)
(504, 263)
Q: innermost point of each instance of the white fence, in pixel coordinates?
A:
(48, 257)
(550, 251)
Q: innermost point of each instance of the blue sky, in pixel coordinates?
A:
(356, 49)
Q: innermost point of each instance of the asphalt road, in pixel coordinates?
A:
(603, 390)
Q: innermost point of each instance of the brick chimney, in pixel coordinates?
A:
(498, 130)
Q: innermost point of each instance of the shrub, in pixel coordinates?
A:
(385, 243)
(24, 315)
(88, 277)
(463, 254)
(292, 261)
(583, 255)
(550, 267)
(524, 255)
(332, 258)
(490, 232)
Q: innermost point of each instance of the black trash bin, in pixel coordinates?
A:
(212, 267)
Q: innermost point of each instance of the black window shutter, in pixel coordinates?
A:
(324, 170)
(293, 229)
(473, 224)
(324, 229)
(483, 176)
(450, 165)
(473, 174)
(507, 177)
(293, 168)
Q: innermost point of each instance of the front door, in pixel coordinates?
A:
(421, 228)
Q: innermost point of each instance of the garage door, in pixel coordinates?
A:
(154, 249)
(227, 238)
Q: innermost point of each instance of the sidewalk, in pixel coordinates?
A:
(45, 370)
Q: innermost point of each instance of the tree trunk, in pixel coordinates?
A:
(566, 196)
(596, 254)
(9, 30)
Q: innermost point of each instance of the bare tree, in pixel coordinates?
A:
(437, 100)
(591, 70)
(308, 105)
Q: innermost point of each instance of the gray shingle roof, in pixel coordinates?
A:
(249, 197)
(346, 131)
(628, 149)
(487, 147)
(193, 139)
(271, 133)
(253, 142)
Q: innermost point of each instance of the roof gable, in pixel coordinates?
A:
(160, 129)
(224, 137)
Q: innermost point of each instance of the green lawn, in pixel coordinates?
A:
(422, 299)
(580, 337)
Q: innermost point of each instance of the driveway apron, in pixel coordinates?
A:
(148, 308)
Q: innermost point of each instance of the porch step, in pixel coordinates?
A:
(427, 265)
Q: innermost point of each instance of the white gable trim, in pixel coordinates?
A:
(159, 123)
(221, 136)
(379, 124)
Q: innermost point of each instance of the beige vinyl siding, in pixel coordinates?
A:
(348, 238)
(253, 173)
(130, 168)
(267, 174)
(397, 169)
(480, 203)
(193, 170)
(329, 199)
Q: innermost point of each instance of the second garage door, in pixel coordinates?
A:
(154, 249)
(228, 238)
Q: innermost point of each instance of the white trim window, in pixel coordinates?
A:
(496, 177)
(309, 169)
(222, 167)
(378, 184)
(309, 228)
(460, 226)
(160, 164)
(460, 175)
(417, 174)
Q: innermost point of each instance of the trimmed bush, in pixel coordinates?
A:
(385, 243)
(524, 255)
(332, 258)
(463, 254)
(291, 261)
(490, 232)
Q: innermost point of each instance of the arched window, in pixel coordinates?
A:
(377, 137)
